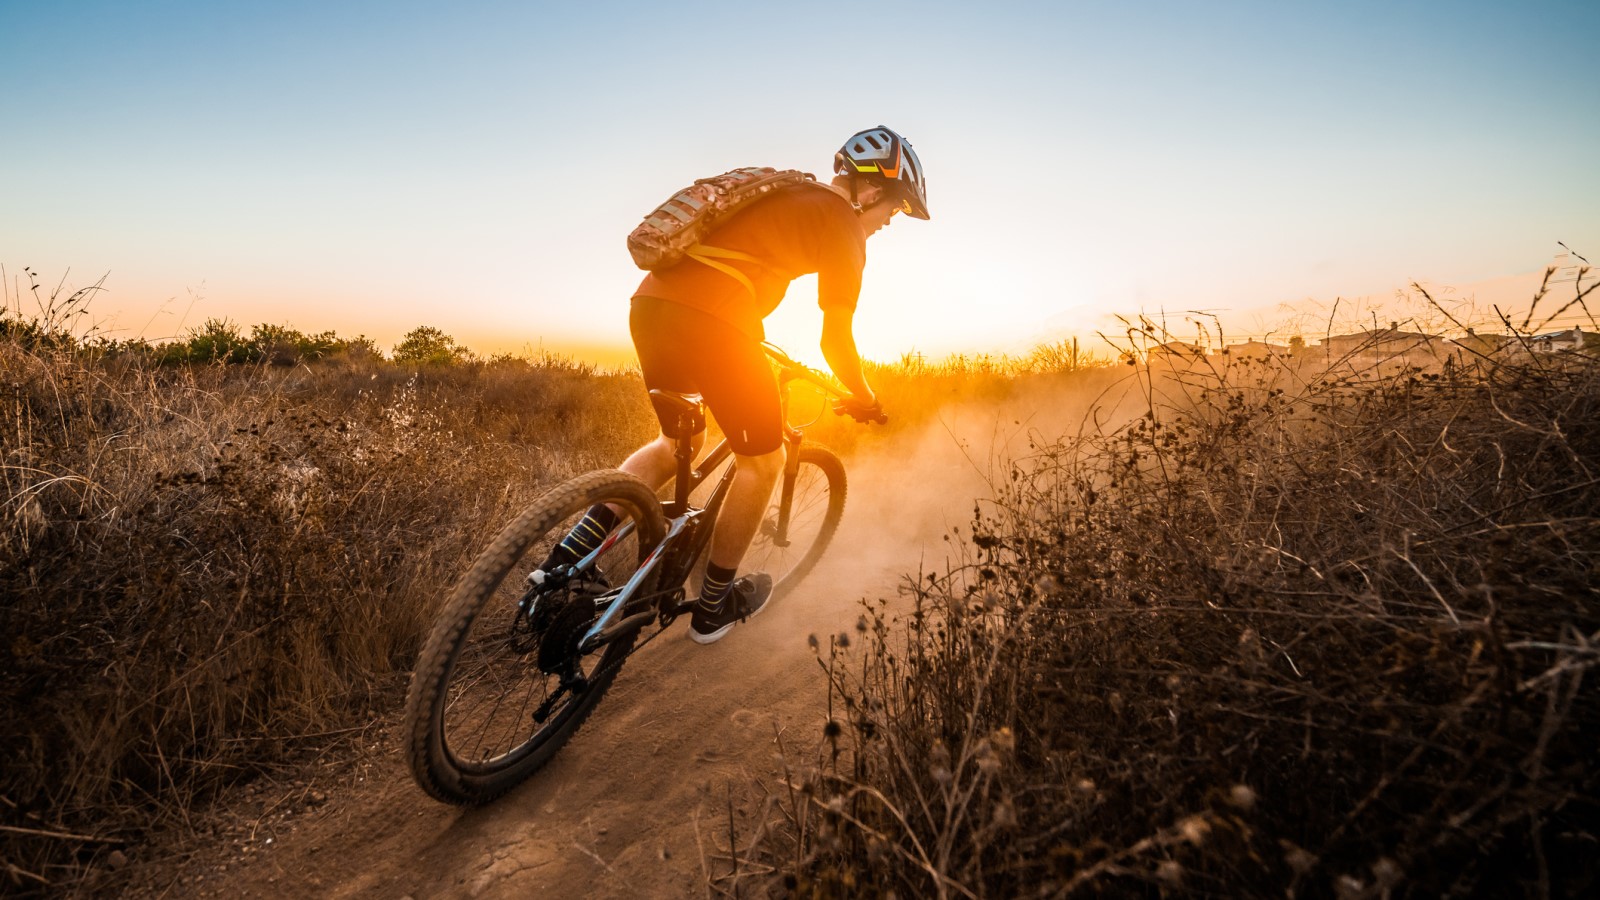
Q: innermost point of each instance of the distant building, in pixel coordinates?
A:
(1557, 341)
(1178, 348)
(1254, 349)
(1386, 345)
(1476, 348)
(1382, 342)
(1485, 344)
(1175, 356)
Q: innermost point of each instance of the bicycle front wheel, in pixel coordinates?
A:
(500, 685)
(815, 509)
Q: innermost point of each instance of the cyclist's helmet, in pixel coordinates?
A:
(884, 156)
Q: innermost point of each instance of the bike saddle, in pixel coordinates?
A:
(672, 406)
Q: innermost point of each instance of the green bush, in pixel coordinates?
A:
(221, 341)
(428, 346)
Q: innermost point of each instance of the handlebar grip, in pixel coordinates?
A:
(875, 416)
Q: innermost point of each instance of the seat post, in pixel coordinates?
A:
(687, 415)
(684, 453)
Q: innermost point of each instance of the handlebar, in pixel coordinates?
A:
(797, 369)
(793, 368)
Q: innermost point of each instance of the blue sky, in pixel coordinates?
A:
(370, 167)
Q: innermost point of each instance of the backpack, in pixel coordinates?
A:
(672, 232)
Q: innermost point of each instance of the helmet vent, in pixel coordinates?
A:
(885, 157)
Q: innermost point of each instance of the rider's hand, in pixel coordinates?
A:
(860, 410)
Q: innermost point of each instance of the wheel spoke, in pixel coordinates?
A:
(815, 506)
(481, 714)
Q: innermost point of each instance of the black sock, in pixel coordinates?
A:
(714, 589)
(587, 535)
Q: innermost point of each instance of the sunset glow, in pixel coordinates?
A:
(370, 167)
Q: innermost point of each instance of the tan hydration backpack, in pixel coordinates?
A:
(673, 231)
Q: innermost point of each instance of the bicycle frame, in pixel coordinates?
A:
(524, 676)
(668, 566)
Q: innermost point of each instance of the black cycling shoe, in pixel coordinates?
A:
(746, 598)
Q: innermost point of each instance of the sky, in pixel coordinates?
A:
(475, 166)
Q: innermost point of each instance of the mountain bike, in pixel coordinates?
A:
(519, 657)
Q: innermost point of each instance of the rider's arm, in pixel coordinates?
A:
(839, 349)
(842, 252)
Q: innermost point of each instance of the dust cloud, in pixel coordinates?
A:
(687, 729)
(908, 497)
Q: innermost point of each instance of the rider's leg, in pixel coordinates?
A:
(655, 463)
(742, 511)
(747, 500)
(724, 602)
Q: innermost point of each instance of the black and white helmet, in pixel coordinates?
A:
(882, 155)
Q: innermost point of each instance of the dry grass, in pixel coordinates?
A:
(209, 567)
(1286, 633)
(206, 567)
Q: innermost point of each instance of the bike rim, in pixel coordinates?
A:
(808, 525)
(500, 705)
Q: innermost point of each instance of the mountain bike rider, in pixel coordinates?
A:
(698, 329)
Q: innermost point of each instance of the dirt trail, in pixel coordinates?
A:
(623, 811)
(637, 803)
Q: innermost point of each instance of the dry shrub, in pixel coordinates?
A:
(205, 567)
(1283, 634)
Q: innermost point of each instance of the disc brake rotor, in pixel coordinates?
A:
(533, 619)
(565, 631)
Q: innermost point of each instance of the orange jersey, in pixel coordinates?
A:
(798, 230)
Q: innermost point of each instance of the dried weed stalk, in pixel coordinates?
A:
(1293, 631)
(204, 568)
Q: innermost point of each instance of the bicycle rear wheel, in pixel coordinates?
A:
(499, 686)
(814, 513)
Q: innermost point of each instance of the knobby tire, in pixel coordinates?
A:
(817, 508)
(440, 680)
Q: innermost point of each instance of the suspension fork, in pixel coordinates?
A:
(791, 461)
(791, 470)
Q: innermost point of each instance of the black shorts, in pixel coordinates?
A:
(685, 350)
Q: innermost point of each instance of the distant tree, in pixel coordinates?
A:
(1297, 345)
(279, 345)
(285, 346)
(218, 340)
(358, 347)
(428, 346)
